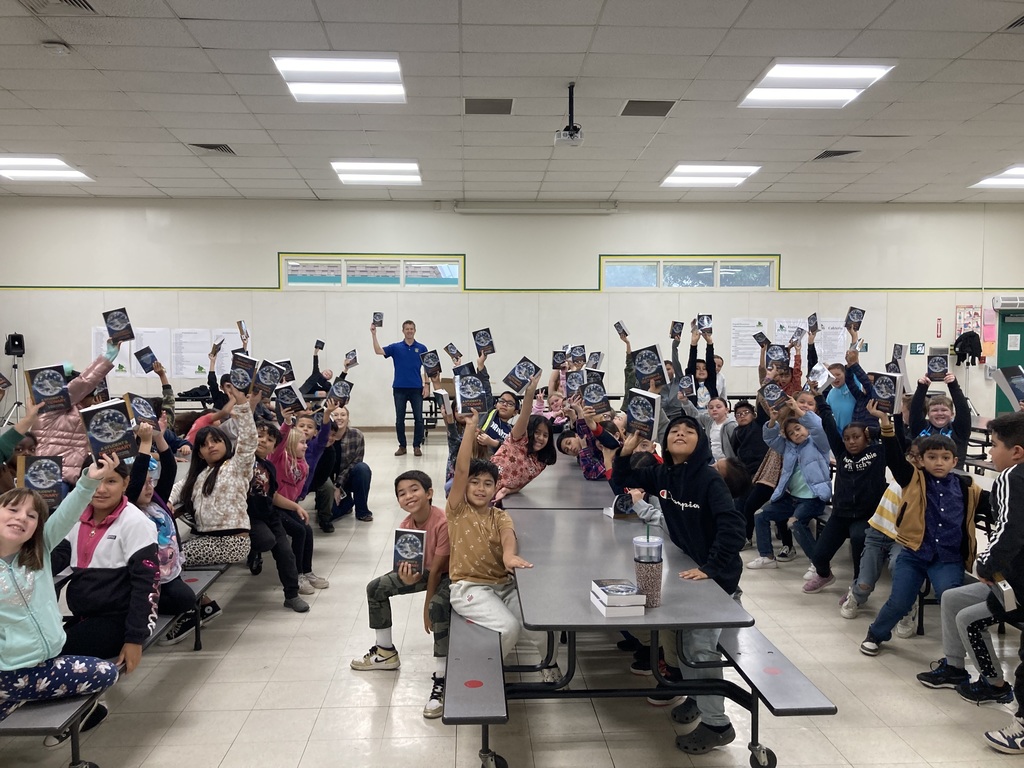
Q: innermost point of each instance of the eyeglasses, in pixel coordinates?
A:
(506, 402)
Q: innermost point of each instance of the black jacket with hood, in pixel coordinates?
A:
(700, 516)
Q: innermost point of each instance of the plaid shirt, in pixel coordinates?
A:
(351, 449)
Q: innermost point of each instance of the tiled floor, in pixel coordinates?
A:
(273, 688)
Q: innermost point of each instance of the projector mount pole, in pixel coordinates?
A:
(13, 413)
(572, 118)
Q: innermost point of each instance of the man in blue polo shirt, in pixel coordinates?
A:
(410, 385)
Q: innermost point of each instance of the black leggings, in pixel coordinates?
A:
(831, 538)
(100, 636)
(269, 536)
(302, 539)
(759, 496)
(176, 597)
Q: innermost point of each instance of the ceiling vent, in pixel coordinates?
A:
(832, 154)
(60, 7)
(488, 106)
(641, 108)
(211, 149)
(1018, 24)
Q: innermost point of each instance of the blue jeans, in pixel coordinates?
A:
(357, 486)
(908, 574)
(878, 548)
(414, 396)
(804, 510)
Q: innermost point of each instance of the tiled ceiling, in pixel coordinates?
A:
(146, 78)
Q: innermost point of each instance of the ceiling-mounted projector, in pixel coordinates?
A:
(572, 134)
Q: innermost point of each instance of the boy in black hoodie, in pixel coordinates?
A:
(702, 520)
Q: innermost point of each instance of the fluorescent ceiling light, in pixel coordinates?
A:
(31, 162)
(341, 77)
(1010, 178)
(35, 175)
(380, 172)
(828, 84)
(687, 175)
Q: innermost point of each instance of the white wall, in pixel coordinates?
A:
(912, 264)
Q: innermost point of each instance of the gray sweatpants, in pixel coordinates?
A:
(496, 606)
(960, 607)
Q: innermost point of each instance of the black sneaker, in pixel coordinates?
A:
(629, 644)
(434, 707)
(870, 645)
(255, 562)
(182, 627)
(95, 716)
(943, 675)
(209, 612)
(982, 692)
(327, 527)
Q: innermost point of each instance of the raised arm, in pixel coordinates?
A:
(902, 470)
(962, 409)
(709, 362)
(377, 349)
(918, 421)
(519, 428)
(457, 493)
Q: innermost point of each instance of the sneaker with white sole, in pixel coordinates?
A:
(810, 573)
(208, 612)
(434, 707)
(848, 606)
(981, 692)
(305, 588)
(183, 626)
(1010, 739)
(817, 582)
(786, 554)
(377, 658)
(94, 717)
(317, 582)
(762, 562)
(907, 626)
(870, 646)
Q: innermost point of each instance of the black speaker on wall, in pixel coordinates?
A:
(15, 345)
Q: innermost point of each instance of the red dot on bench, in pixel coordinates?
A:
(474, 683)
(191, 581)
(772, 671)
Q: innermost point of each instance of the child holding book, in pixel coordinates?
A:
(585, 441)
(1005, 554)
(526, 452)
(289, 460)
(484, 550)
(415, 495)
(702, 520)
(804, 485)
(935, 527)
(212, 495)
(31, 664)
(941, 415)
(704, 372)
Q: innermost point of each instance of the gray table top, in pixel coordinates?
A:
(564, 486)
(570, 548)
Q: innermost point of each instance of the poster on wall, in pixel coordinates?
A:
(232, 340)
(968, 318)
(785, 327)
(190, 351)
(158, 340)
(743, 350)
(122, 363)
(833, 340)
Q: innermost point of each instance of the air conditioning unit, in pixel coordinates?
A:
(1008, 302)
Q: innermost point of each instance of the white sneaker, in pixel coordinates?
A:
(762, 562)
(377, 658)
(810, 573)
(848, 606)
(317, 582)
(1009, 740)
(305, 588)
(434, 707)
(907, 626)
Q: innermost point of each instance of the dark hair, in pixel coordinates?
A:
(737, 478)
(562, 437)
(32, 552)
(483, 467)
(30, 436)
(937, 443)
(198, 464)
(417, 476)
(305, 416)
(858, 425)
(122, 469)
(157, 404)
(547, 454)
(745, 404)
(790, 422)
(1009, 428)
(722, 400)
(509, 392)
(408, 322)
(225, 379)
(610, 427)
(270, 428)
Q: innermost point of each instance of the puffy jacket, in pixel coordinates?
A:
(811, 455)
(60, 433)
(224, 510)
(32, 630)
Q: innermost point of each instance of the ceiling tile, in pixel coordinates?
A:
(672, 13)
(981, 71)
(324, 138)
(531, 39)
(947, 15)
(77, 30)
(133, 8)
(540, 12)
(136, 119)
(642, 65)
(961, 92)
(26, 117)
(810, 14)
(220, 136)
(170, 82)
(911, 44)
(393, 37)
(23, 31)
(245, 10)
(393, 11)
(48, 80)
(175, 102)
(34, 56)
(508, 65)
(266, 35)
(94, 100)
(198, 120)
(145, 58)
(657, 40)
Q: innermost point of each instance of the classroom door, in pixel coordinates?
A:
(1009, 351)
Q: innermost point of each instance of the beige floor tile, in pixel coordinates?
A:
(269, 725)
(283, 754)
(191, 755)
(938, 744)
(301, 695)
(554, 718)
(572, 754)
(409, 723)
(129, 730)
(653, 751)
(878, 746)
(204, 728)
(359, 689)
(358, 753)
(220, 696)
(350, 723)
(243, 671)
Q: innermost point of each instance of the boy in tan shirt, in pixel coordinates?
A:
(483, 552)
